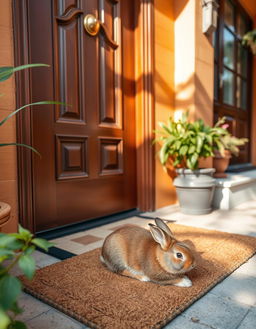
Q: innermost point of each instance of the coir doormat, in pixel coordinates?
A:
(84, 289)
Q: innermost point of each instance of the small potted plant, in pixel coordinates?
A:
(225, 146)
(249, 39)
(184, 143)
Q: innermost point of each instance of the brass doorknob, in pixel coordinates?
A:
(93, 26)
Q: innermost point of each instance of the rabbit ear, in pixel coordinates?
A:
(163, 226)
(160, 236)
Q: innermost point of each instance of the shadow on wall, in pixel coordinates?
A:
(192, 92)
(160, 5)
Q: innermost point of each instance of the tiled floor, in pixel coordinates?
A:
(229, 305)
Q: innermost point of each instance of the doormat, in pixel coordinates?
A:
(84, 289)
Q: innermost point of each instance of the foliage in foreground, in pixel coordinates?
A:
(5, 73)
(16, 249)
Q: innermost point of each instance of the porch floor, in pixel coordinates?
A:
(229, 305)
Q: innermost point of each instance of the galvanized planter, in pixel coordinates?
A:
(195, 189)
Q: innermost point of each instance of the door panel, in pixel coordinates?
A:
(88, 163)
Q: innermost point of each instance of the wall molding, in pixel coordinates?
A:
(145, 105)
(23, 122)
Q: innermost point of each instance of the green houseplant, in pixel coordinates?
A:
(227, 145)
(249, 39)
(184, 143)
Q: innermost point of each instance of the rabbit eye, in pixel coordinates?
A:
(179, 255)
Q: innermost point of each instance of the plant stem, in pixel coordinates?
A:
(10, 266)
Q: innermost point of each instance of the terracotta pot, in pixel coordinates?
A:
(220, 163)
(5, 211)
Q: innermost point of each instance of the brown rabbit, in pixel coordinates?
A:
(153, 255)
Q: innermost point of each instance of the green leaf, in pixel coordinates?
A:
(177, 145)
(189, 164)
(18, 325)
(192, 149)
(10, 288)
(183, 150)
(24, 232)
(28, 105)
(5, 240)
(42, 243)
(30, 250)
(7, 71)
(27, 265)
(5, 254)
(24, 145)
(199, 144)
(18, 144)
(10, 242)
(4, 319)
(16, 309)
(194, 161)
(163, 152)
(220, 147)
(209, 139)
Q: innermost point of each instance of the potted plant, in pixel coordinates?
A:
(226, 146)
(184, 143)
(249, 39)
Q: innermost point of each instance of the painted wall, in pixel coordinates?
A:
(184, 74)
(8, 163)
(164, 90)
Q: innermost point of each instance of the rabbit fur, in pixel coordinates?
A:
(148, 255)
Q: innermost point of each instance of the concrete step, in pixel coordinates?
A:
(237, 188)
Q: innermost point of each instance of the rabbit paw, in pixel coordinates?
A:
(184, 282)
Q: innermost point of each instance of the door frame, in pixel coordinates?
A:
(144, 100)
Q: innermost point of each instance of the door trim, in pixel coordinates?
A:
(144, 100)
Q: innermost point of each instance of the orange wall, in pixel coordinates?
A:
(249, 6)
(8, 163)
(183, 74)
(164, 90)
(193, 62)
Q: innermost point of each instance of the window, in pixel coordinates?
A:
(232, 66)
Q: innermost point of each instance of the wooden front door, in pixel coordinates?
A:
(88, 163)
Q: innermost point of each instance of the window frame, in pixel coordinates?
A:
(220, 107)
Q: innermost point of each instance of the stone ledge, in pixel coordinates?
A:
(235, 179)
(235, 189)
